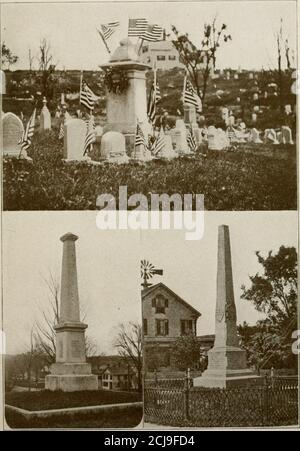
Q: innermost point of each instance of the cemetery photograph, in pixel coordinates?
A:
(72, 320)
(160, 98)
(219, 323)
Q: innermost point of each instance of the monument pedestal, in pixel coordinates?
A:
(70, 372)
(227, 362)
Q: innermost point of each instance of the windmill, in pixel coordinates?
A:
(148, 271)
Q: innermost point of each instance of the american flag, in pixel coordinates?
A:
(190, 96)
(191, 140)
(28, 133)
(159, 143)
(87, 97)
(136, 27)
(139, 137)
(154, 97)
(153, 33)
(109, 29)
(61, 133)
(90, 135)
(231, 133)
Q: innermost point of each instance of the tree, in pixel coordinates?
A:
(129, 345)
(187, 353)
(46, 68)
(274, 293)
(199, 62)
(7, 57)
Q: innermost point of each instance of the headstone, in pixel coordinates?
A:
(113, 148)
(286, 135)
(288, 109)
(225, 114)
(254, 117)
(266, 94)
(212, 137)
(270, 136)
(45, 117)
(254, 136)
(62, 98)
(236, 76)
(228, 75)
(255, 96)
(70, 372)
(12, 132)
(167, 152)
(222, 140)
(256, 109)
(190, 116)
(227, 362)
(251, 76)
(238, 99)
(231, 121)
(74, 138)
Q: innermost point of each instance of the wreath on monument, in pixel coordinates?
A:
(116, 80)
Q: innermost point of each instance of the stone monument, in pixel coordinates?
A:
(74, 138)
(70, 372)
(125, 107)
(12, 132)
(227, 363)
(113, 148)
(45, 117)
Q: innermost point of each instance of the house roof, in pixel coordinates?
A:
(161, 285)
(118, 371)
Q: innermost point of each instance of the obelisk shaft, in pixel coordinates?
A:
(225, 317)
(69, 304)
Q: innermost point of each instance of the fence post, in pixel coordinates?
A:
(266, 401)
(186, 395)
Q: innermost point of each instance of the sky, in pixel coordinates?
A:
(71, 28)
(109, 267)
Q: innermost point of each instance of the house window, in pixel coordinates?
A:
(145, 327)
(162, 327)
(172, 58)
(186, 326)
(161, 58)
(160, 304)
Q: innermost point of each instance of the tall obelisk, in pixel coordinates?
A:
(227, 363)
(70, 372)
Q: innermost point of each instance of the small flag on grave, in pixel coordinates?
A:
(28, 133)
(190, 96)
(87, 97)
(90, 135)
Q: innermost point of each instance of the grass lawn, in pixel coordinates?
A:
(47, 400)
(237, 180)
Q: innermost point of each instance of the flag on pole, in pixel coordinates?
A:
(61, 133)
(153, 33)
(90, 135)
(191, 140)
(109, 29)
(154, 97)
(139, 137)
(159, 143)
(28, 133)
(190, 96)
(136, 27)
(87, 97)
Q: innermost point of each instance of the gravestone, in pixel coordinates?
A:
(124, 108)
(212, 134)
(288, 109)
(225, 114)
(74, 138)
(167, 153)
(45, 117)
(254, 117)
(12, 132)
(255, 96)
(113, 148)
(70, 372)
(222, 140)
(180, 134)
(256, 109)
(190, 116)
(287, 137)
(254, 136)
(270, 136)
(227, 362)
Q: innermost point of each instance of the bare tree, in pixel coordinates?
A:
(129, 345)
(44, 329)
(199, 62)
(46, 67)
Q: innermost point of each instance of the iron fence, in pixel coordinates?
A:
(177, 403)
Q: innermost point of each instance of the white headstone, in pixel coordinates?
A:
(222, 140)
(251, 76)
(255, 96)
(286, 135)
(254, 136)
(265, 94)
(45, 117)
(181, 145)
(113, 148)
(270, 136)
(236, 76)
(12, 132)
(231, 121)
(212, 134)
(288, 109)
(254, 117)
(74, 138)
(224, 113)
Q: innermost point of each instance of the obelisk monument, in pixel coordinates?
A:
(70, 372)
(227, 363)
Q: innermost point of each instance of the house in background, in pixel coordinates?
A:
(162, 54)
(166, 317)
(118, 378)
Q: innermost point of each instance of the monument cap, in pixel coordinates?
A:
(69, 237)
(125, 52)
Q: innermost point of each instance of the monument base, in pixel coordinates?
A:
(227, 379)
(69, 377)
